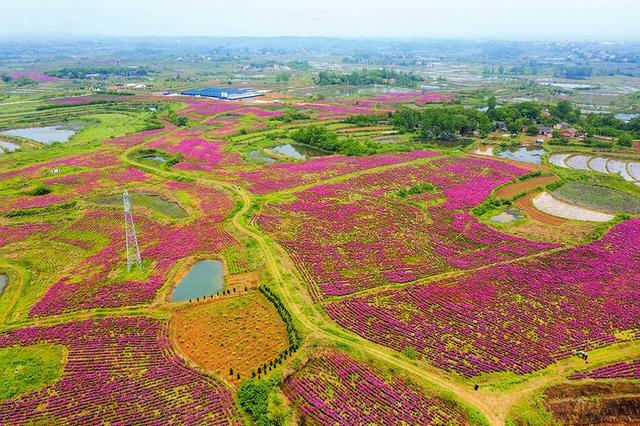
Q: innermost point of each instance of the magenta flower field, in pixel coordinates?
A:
(516, 317)
(93, 284)
(118, 371)
(353, 235)
(333, 388)
(618, 370)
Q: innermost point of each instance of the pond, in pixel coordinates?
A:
(626, 117)
(525, 154)
(154, 157)
(205, 278)
(484, 150)
(46, 135)
(509, 215)
(259, 155)
(299, 152)
(8, 146)
(3, 282)
(152, 202)
(547, 203)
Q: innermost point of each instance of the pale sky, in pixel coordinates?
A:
(504, 19)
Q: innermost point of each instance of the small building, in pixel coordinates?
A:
(545, 131)
(571, 133)
(561, 126)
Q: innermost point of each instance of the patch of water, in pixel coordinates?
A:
(578, 162)
(559, 160)
(547, 203)
(258, 155)
(509, 215)
(525, 154)
(484, 150)
(158, 158)
(298, 152)
(205, 278)
(4, 279)
(598, 164)
(8, 146)
(46, 135)
(153, 202)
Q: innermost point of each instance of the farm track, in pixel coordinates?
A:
(491, 403)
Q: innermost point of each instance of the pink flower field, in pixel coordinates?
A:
(333, 388)
(618, 370)
(354, 235)
(33, 75)
(118, 371)
(517, 317)
(280, 176)
(94, 285)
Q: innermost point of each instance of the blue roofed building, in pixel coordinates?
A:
(228, 93)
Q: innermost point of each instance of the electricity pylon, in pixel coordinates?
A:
(133, 250)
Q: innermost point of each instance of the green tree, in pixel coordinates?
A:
(283, 77)
(625, 139)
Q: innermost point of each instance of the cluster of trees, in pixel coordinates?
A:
(442, 122)
(262, 401)
(369, 76)
(320, 137)
(82, 72)
(20, 82)
(292, 115)
(365, 120)
(177, 120)
(417, 189)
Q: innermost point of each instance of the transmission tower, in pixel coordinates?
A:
(133, 251)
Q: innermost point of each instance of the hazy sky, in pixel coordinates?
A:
(510, 19)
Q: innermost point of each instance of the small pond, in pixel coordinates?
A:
(299, 152)
(205, 278)
(154, 157)
(3, 282)
(258, 155)
(150, 201)
(626, 117)
(525, 154)
(8, 146)
(46, 135)
(509, 215)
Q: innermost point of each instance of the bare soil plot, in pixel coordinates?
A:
(595, 403)
(239, 333)
(519, 187)
(525, 204)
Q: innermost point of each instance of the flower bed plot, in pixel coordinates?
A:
(119, 371)
(517, 317)
(98, 281)
(618, 370)
(279, 176)
(333, 388)
(354, 235)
